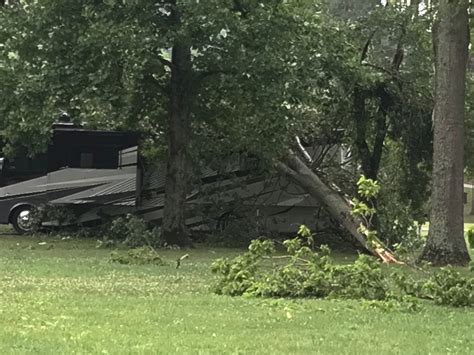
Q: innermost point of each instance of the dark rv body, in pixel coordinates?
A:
(98, 173)
(83, 169)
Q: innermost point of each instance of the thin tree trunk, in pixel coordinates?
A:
(179, 134)
(446, 243)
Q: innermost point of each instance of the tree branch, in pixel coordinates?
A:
(165, 62)
(388, 72)
(303, 151)
(365, 49)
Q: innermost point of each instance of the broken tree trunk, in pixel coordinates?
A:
(337, 206)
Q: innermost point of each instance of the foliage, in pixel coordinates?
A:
(108, 65)
(62, 215)
(396, 224)
(399, 222)
(302, 272)
(445, 287)
(306, 273)
(54, 214)
(470, 237)
(138, 256)
(64, 56)
(132, 232)
(403, 200)
(364, 209)
(449, 287)
(367, 188)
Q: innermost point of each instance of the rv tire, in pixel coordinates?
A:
(22, 219)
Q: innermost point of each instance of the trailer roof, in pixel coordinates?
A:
(81, 136)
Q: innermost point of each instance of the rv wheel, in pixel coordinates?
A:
(22, 219)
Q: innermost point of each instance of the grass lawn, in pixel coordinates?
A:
(65, 297)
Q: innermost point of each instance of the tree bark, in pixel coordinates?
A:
(179, 134)
(446, 243)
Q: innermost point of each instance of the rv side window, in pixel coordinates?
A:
(87, 160)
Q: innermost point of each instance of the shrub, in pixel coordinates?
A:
(131, 231)
(61, 215)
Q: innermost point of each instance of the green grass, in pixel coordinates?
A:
(64, 297)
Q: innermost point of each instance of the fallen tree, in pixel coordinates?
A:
(335, 203)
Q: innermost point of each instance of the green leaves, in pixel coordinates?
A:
(445, 287)
(364, 210)
(367, 188)
(361, 208)
(470, 237)
(304, 273)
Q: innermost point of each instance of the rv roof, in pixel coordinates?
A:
(73, 136)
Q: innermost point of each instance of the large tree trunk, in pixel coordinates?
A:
(446, 243)
(337, 206)
(179, 134)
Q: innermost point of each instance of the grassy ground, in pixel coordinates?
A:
(65, 297)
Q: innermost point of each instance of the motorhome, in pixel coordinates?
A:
(98, 173)
(83, 169)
